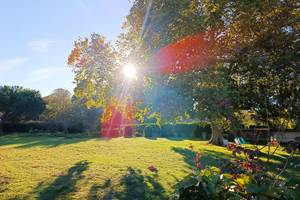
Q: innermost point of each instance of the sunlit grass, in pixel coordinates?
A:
(55, 167)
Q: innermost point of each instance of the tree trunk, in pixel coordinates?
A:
(216, 135)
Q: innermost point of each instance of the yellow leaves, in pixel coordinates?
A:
(74, 56)
(210, 171)
(242, 180)
(90, 103)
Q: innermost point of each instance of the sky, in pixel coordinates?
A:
(36, 38)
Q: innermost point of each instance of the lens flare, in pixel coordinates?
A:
(185, 55)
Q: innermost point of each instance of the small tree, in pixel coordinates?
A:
(57, 105)
(17, 103)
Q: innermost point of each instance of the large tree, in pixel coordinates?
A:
(17, 103)
(256, 51)
(259, 43)
(168, 23)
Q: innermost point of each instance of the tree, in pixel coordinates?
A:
(167, 22)
(94, 63)
(259, 43)
(255, 46)
(66, 110)
(17, 103)
(57, 105)
(204, 88)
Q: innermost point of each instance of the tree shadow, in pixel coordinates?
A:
(135, 186)
(4, 182)
(64, 184)
(209, 157)
(34, 141)
(106, 187)
(184, 138)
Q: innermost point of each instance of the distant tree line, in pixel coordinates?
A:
(23, 110)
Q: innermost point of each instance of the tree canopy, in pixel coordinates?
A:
(94, 63)
(17, 103)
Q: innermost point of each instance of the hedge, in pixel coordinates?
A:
(150, 130)
(179, 130)
(39, 126)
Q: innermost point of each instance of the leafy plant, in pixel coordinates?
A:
(244, 176)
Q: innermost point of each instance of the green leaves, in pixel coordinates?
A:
(17, 103)
(95, 66)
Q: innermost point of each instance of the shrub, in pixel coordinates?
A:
(32, 126)
(243, 177)
(180, 130)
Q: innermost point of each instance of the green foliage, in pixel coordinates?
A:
(178, 130)
(243, 177)
(32, 127)
(94, 64)
(70, 113)
(17, 103)
(258, 41)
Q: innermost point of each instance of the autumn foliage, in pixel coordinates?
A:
(117, 119)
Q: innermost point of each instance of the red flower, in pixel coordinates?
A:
(247, 166)
(231, 146)
(152, 168)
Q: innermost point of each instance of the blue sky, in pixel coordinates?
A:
(36, 38)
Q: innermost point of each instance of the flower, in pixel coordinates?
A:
(247, 166)
(191, 146)
(231, 146)
(198, 155)
(197, 160)
(199, 165)
(152, 168)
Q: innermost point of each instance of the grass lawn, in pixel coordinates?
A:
(59, 168)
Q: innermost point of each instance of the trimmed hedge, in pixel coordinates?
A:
(179, 130)
(151, 130)
(39, 126)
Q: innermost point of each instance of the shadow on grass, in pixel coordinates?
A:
(64, 184)
(185, 138)
(4, 181)
(135, 186)
(23, 141)
(209, 157)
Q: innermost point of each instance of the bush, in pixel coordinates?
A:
(180, 130)
(245, 177)
(41, 127)
(31, 126)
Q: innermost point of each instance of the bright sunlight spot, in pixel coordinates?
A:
(129, 71)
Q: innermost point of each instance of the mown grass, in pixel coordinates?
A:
(71, 168)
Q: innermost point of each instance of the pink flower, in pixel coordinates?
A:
(199, 165)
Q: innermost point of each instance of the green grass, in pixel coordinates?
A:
(59, 168)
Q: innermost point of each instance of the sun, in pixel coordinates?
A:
(129, 71)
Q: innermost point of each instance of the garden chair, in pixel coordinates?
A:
(239, 141)
(243, 141)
